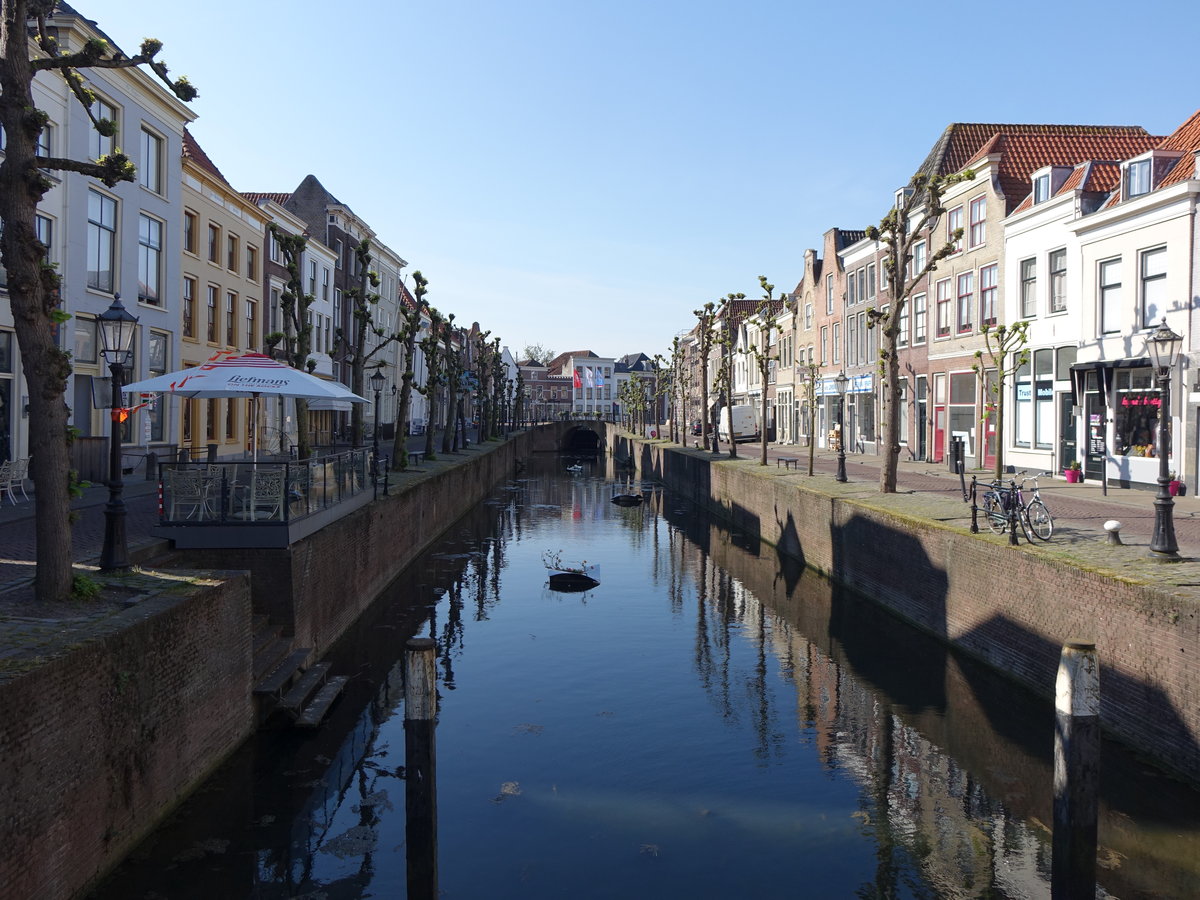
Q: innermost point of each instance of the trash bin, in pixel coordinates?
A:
(955, 457)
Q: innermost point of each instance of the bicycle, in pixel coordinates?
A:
(1033, 514)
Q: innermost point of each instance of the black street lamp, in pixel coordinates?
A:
(1163, 346)
(842, 382)
(377, 382)
(117, 327)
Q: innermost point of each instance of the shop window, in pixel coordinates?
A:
(1135, 412)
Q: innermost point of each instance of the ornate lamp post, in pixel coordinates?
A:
(842, 382)
(377, 382)
(117, 327)
(1163, 346)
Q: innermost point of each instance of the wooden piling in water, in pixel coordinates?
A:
(420, 766)
(1076, 772)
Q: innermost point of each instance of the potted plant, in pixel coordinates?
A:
(1073, 472)
(1175, 486)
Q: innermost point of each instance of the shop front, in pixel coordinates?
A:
(1121, 404)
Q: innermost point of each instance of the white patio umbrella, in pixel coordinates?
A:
(249, 375)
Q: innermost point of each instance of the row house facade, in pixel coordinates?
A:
(125, 240)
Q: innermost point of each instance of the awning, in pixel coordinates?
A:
(1105, 368)
(328, 403)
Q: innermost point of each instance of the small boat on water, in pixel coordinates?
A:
(575, 469)
(628, 499)
(570, 577)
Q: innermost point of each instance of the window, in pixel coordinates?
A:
(808, 316)
(149, 260)
(325, 283)
(989, 277)
(852, 289)
(978, 221)
(824, 345)
(337, 248)
(231, 318)
(837, 342)
(1137, 178)
(190, 234)
(1135, 412)
(1041, 188)
(150, 174)
(230, 420)
(1058, 281)
(156, 349)
(828, 294)
(312, 277)
(251, 324)
(942, 300)
(862, 339)
(273, 313)
(98, 144)
(1110, 296)
(85, 340)
(1028, 288)
(189, 307)
(214, 243)
(954, 223)
(918, 260)
(919, 316)
(213, 291)
(274, 249)
(966, 301)
(45, 141)
(102, 241)
(231, 253)
(871, 282)
(1154, 286)
(902, 334)
(251, 263)
(852, 341)
(43, 229)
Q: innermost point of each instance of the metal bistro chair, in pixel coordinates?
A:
(12, 476)
(265, 498)
(187, 493)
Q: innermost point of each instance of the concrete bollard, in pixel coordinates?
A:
(1076, 772)
(420, 766)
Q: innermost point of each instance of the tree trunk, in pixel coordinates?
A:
(31, 296)
(890, 421)
(763, 424)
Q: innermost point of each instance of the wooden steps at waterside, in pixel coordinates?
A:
(285, 682)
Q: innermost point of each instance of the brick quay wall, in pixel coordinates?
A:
(1009, 607)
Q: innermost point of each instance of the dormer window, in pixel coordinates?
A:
(1041, 188)
(1137, 178)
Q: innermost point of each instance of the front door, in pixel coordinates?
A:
(1094, 463)
(939, 433)
(922, 413)
(1067, 449)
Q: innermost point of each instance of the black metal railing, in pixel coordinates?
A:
(247, 492)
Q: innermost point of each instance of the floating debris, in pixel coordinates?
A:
(508, 789)
(357, 841)
(527, 728)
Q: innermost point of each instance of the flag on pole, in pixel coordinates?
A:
(588, 374)
(599, 377)
(578, 380)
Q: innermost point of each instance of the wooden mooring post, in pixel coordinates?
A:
(1076, 772)
(420, 766)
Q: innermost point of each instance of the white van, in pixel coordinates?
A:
(745, 424)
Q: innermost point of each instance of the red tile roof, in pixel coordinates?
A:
(1187, 139)
(193, 151)
(258, 197)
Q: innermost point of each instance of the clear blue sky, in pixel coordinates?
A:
(584, 175)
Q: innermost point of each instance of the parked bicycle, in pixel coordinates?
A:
(1002, 504)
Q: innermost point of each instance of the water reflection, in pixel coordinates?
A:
(709, 721)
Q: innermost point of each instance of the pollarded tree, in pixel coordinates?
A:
(453, 367)
(411, 317)
(430, 346)
(913, 219)
(364, 303)
(725, 370)
(765, 318)
(706, 334)
(1007, 352)
(29, 47)
(294, 343)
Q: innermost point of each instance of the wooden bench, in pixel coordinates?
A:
(415, 456)
(787, 462)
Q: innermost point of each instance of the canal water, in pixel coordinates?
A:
(708, 721)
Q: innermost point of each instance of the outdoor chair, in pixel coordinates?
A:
(12, 476)
(265, 498)
(187, 494)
